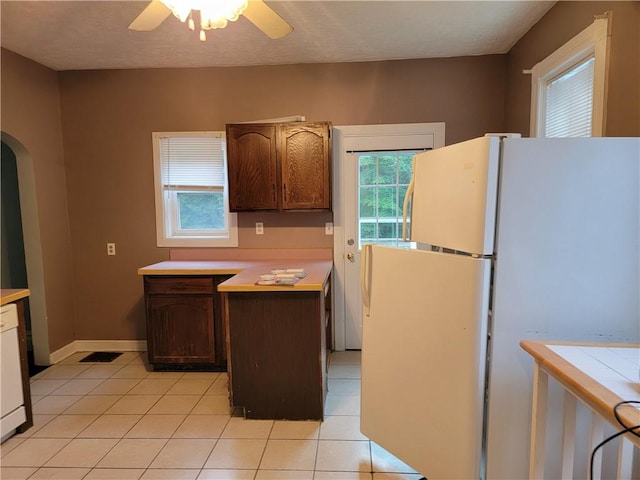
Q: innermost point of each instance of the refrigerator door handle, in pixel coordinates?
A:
(405, 206)
(364, 278)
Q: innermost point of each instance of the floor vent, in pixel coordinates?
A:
(101, 357)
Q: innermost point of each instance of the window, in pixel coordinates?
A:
(569, 102)
(192, 207)
(383, 181)
(569, 87)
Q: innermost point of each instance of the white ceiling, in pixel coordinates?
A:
(78, 35)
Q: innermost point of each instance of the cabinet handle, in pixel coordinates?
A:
(285, 191)
(273, 190)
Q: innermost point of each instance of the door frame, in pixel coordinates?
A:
(362, 137)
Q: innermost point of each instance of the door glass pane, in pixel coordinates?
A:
(367, 201)
(387, 169)
(404, 167)
(383, 181)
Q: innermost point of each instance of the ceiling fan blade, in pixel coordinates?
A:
(151, 17)
(263, 17)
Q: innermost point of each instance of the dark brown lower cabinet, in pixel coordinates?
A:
(184, 327)
(277, 349)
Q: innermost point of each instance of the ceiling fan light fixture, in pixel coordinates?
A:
(218, 14)
(213, 14)
(181, 9)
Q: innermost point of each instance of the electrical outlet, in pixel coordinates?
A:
(328, 228)
(259, 228)
(111, 248)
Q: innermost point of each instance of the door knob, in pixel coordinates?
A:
(350, 256)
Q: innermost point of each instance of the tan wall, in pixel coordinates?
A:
(31, 117)
(108, 117)
(559, 25)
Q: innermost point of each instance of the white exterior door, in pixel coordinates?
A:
(370, 147)
(423, 358)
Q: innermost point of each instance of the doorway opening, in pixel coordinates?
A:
(13, 265)
(21, 256)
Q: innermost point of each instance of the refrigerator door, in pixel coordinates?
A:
(423, 358)
(455, 195)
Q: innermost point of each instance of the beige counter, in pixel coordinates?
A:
(8, 295)
(599, 376)
(247, 273)
(590, 378)
(317, 274)
(200, 267)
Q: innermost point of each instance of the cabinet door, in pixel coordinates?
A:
(251, 158)
(304, 151)
(180, 329)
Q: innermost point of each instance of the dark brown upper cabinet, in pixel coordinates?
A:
(252, 167)
(279, 166)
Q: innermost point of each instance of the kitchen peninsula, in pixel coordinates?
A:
(273, 338)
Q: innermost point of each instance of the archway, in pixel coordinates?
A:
(32, 249)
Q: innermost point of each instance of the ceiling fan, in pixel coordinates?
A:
(213, 14)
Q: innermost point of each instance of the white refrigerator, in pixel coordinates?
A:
(518, 239)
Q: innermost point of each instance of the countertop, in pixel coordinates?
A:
(600, 374)
(9, 295)
(201, 267)
(247, 273)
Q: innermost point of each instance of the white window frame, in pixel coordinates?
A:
(592, 41)
(167, 233)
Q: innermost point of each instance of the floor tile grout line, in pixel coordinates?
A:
(315, 458)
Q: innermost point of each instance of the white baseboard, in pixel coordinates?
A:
(97, 346)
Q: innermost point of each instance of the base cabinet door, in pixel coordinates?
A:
(180, 329)
(184, 322)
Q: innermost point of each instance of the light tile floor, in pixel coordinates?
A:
(121, 421)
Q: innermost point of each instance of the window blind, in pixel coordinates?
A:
(569, 99)
(192, 162)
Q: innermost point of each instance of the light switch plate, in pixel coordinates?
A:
(328, 228)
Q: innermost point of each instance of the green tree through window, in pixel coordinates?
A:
(383, 181)
(201, 211)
